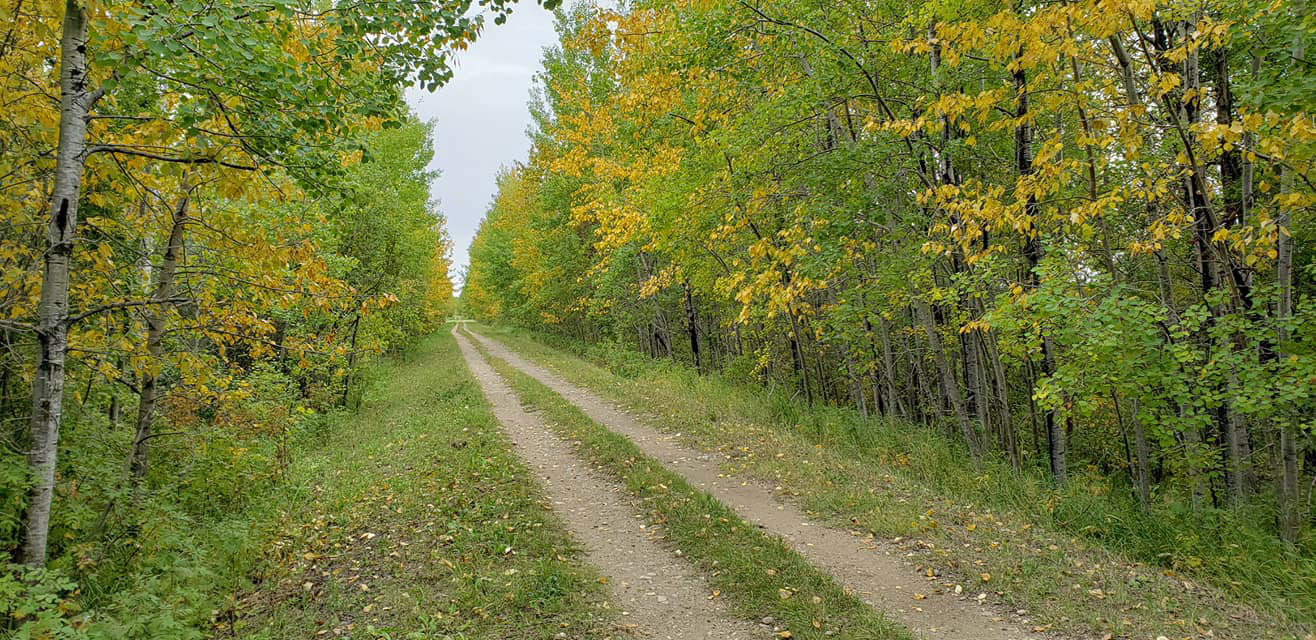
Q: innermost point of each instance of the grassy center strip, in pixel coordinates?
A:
(758, 574)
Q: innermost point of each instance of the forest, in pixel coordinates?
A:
(1021, 292)
(215, 216)
(1074, 235)
(1074, 238)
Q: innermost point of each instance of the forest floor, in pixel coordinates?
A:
(945, 566)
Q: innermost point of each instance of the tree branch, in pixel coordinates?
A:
(16, 326)
(118, 149)
(122, 305)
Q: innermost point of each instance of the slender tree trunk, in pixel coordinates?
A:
(797, 355)
(950, 387)
(1231, 161)
(76, 100)
(1144, 456)
(894, 405)
(1107, 253)
(855, 384)
(969, 367)
(1032, 408)
(1249, 144)
(692, 324)
(156, 316)
(1290, 507)
(663, 345)
(921, 395)
(880, 406)
(351, 359)
(1193, 451)
(1010, 436)
(1056, 445)
(6, 375)
(889, 361)
(1128, 450)
(981, 406)
(827, 387)
(1138, 465)
(1204, 228)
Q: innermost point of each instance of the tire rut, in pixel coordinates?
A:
(872, 570)
(660, 594)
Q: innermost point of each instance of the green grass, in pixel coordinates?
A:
(756, 573)
(414, 520)
(1081, 560)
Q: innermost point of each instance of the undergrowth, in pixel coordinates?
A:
(407, 520)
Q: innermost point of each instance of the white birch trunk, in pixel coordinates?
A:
(76, 99)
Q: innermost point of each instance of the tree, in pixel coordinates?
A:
(1015, 223)
(228, 78)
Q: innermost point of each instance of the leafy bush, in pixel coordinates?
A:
(38, 603)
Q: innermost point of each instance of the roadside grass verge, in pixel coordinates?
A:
(757, 573)
(414, 520)
(1079, 560)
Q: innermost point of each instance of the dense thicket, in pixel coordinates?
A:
(1074, 235)
(211, 216)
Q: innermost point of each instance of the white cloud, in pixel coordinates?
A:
(481, 117)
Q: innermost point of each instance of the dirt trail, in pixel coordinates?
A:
(873, 570)
(659, 593)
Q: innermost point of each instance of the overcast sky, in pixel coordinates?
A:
(481, 118)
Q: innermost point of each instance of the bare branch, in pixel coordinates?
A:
(123, 305)
(119, 149)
